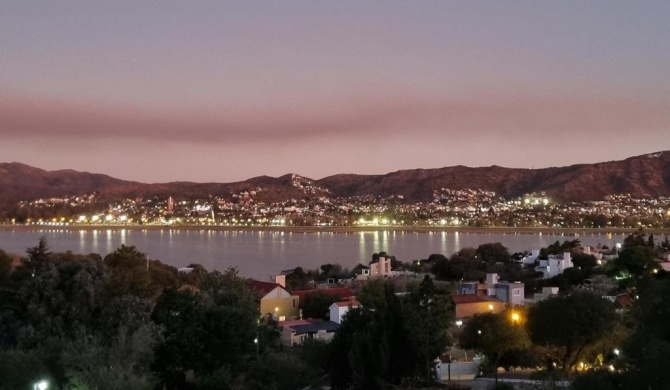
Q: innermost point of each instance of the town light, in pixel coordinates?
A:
(491, 307)
(459, 323)
(616, 351)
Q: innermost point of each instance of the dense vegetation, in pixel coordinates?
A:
(125, 321)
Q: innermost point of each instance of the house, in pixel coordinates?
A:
(508, 292)
(361, 271)
(470, 304)
(296, 332)
(554, 265)
(381, 266)
(546, 293)
(339, 309)
(275, 300)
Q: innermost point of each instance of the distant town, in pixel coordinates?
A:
(449, 208)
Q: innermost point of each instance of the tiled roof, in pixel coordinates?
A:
(353, 303)
(336, 292)
(262, 287)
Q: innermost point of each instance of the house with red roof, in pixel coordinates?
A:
(275, 300)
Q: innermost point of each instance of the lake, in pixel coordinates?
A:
(260, 254)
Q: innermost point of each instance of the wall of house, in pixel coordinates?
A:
(466, 310)
(511, 293)
(287, 307)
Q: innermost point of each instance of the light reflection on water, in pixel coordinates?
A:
(260, 254)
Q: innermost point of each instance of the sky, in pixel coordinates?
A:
(221, 91)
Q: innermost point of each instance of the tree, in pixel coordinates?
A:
(636, 260)
(647, 351)
(428, 313)
(61, 302)
(316, 305)
(229, 319)
(180, 315)
(129, 273)
(39, 255)
(494, 335)
(122, 363)
(570, 324)
(493, 253)
(372, 349)
(582, 260)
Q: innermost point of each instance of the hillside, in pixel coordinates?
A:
(641, 176)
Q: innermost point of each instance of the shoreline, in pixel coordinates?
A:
(334, 229)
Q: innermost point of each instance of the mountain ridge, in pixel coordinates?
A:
(646, 175)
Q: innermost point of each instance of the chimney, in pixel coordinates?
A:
(281, 280)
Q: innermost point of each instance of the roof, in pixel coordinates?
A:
(471, 298)
(354, 303)
(262, 287)
(336, 292)
(328, 326)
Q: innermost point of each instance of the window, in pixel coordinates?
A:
(517, 292)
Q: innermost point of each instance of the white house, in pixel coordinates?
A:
(339, 309)
(554, 265)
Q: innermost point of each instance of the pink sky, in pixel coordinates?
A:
(164, 91)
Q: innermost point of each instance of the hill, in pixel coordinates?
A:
(641, 176)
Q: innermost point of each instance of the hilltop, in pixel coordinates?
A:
(641, 176)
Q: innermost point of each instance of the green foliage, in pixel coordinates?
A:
(220, 379)
(91, 362)
(374, 347)
(316, 304)
(279, 371)
(180, 315)
(61, 301)
(570, 323)
(493, 253)
(597, 379)
(208, 330)
(636, 260)
(316, 354)
(558, 248)
(647, 351)
(582, 260)
(464, 264)
(494, 335)
(129, 273)
(21, 369)
(40, 255)
(428, 313)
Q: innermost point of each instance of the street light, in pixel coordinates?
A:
(515, 317)
(41, 385)
(256, 342)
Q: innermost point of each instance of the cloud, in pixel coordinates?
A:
(400, 115)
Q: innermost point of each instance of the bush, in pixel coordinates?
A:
(600, 379)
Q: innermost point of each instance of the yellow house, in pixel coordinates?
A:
(276, 300)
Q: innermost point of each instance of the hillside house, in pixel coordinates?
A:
(554, 265)
(276, 300)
